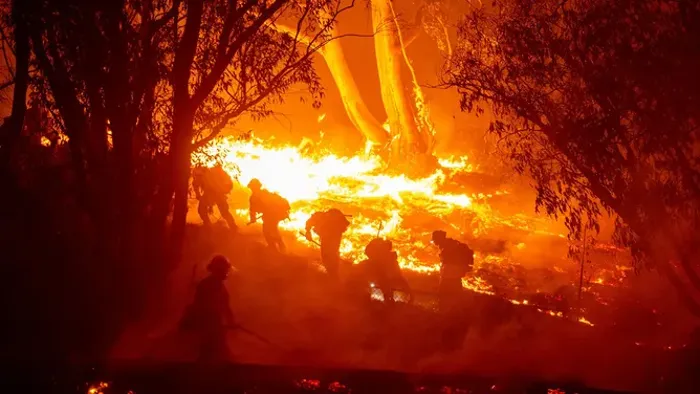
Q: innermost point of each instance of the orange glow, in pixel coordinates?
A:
(98, 388)
(378, 202)
(456, 163)
(308, 384)
(312, 183)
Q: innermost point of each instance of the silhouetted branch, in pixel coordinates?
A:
(186, 50)
(289, 67)
(209, 82)
(7, 84)
(163, 20)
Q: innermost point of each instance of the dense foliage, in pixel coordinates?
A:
(598, 101)
(135, 87)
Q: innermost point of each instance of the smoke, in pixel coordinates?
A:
(536, 348)
(311, 322)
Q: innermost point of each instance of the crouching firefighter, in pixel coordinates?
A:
(330, 226)
(211, 186)
(210, 315)
(273, 209)
(456, 259)
(382, 269)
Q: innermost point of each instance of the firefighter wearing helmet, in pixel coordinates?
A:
(211, 186)
(382, 268)
(330, 226)
(456, 260)
(210, 315)
(272, 209)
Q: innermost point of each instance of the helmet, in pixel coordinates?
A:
(438, 235)
(254, 184)
(378, 247)
(219, 264)
(337, 218)
(335, 212)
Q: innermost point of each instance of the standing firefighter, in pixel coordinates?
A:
(330, 226)
(456, 260)
(210, 314)
(382, 268)
(274, 209)
(212, 185)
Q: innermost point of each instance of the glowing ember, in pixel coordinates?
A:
(477, 285)
(337, 387)
(98, 388)
(308, 384)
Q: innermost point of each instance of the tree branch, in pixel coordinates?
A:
(162, 21)
(184, 55)
(210, 81)
(66, 99)
(7, 84)
(229, 23)
(245, 106)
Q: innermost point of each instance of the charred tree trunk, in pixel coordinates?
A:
(408, 145)
(12, 128)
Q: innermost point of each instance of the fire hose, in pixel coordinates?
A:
(308, 239)
(253, 334)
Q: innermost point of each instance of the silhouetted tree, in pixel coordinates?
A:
(229, 60)
(136, 87)
(12, 126)
(599, 102)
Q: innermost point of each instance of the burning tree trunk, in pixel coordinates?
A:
(355, 107)
(408, 140)
(410, 129)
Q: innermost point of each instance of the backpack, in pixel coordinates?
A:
(221, 180)
(459, 257)
(277, 205)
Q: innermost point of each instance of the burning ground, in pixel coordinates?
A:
(517, 295)
(520, 257)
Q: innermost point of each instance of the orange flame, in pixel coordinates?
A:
(359, 186)
(98, 388)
